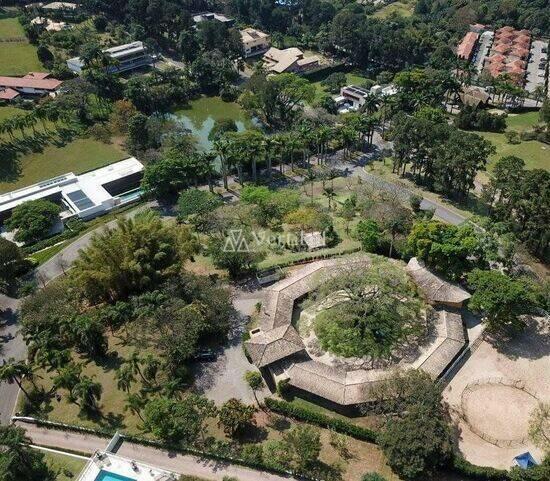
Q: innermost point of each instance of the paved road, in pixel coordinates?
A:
(168, 460)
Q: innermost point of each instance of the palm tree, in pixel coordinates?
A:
(270, 145)
(14, 371)
(222, 147)
(68, 377)
(125, 378)
(86, 393)
(310, 177)
(539, 94)
(135, 403)
(371, 104)
(329, 193)
(135, 362)
(292, 142)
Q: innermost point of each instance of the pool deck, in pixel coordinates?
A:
(123, 469)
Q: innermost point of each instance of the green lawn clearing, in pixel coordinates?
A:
(6, 112)
(77, 156)
(67, 467)
(16, 57)
(535, 154)
(404, 9)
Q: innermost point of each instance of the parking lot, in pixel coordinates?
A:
(536, 68)
(485, 42)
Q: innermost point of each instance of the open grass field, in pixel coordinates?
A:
(535, 154)
(77, 156)
(16, 58)
(67, 467)
(404, 9)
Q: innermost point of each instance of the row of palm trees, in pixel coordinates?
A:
(237, 150)
(43, 113)
(83, 390)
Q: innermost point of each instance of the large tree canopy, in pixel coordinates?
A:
(33, 220)
(373, 312)
(136, 255)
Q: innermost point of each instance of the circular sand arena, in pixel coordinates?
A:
(498, 411)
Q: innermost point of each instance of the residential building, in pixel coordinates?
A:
(216, 17)
(509, 54)
(288, 60)
(61, 9)
(32, 84)
(87, 195)
(255, 42)
(355, 96)
(467, 47)
(50, 25)
(126, 57)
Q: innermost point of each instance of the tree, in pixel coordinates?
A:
(135, 255)
(451, 250)
(86, 394)
(417, 443)
(33, 220)
(276, 100)
(539, 426)
(415, 437)
(235, 253)
(305, 444)
(68, 376)
(125, 377)
(535, 473)
(373, 476)
(18, 461)
(368, 233)
(221, 127)
(135, 404)
(255, 382)
(178, 421)
(11, 261)
(380, 311)
(235, 417)
(501, 299)
(14, 371)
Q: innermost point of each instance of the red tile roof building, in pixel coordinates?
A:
(509, 53)
(466, 47)
(34, 83)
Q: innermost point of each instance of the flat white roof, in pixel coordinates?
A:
(70, 185)
(136, 471)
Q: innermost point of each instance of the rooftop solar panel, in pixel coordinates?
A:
(80, 200)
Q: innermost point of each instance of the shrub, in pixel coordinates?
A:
(484, 473)
(322, 420)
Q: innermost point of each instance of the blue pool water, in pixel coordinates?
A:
(107, 476)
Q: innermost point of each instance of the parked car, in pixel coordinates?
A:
(205, 355)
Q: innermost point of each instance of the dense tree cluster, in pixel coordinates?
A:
(520, 201)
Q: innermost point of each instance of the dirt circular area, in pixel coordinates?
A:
(498, 412)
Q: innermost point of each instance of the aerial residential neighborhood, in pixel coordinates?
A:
(249, 240)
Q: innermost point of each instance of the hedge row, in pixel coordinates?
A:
(483, 473)
(322, 420)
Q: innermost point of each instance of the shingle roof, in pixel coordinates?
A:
(266, 347)
(435, 289)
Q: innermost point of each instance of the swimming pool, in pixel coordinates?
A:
(107, 476)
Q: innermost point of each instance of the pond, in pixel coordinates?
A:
(200, 115)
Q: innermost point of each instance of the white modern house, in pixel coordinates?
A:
(126, 57)
(255, 42)
(84, 196)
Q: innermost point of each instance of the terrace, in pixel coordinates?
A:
(106, 466)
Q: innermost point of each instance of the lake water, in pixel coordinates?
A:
(200, 115)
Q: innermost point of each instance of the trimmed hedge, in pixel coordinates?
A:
(483, 473)
(306, 257)
(336, 424)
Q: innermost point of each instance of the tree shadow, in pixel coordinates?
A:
(532, 343)
(253, 434)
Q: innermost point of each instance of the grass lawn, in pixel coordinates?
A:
(16, 58)
(404, 9)
(77, 156)
(47, 253)
(67, 467)
(6, 112)
(535, 154)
